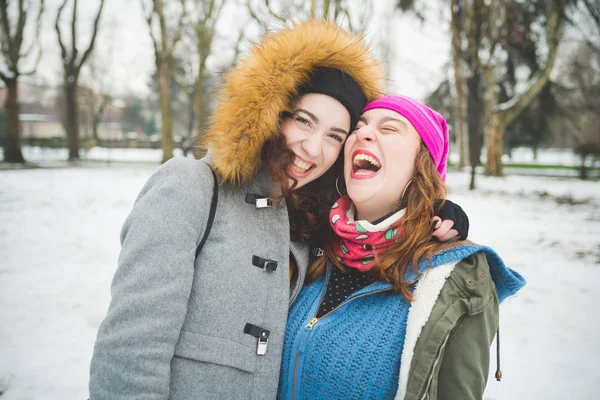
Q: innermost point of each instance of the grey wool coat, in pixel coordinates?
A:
(175, 326)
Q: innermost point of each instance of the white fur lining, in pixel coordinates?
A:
(426, 294)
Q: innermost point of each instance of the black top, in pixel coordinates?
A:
(341, 285)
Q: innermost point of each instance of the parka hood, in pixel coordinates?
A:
(264, 84)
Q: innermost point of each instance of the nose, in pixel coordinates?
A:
(365, 133)
(313, 145)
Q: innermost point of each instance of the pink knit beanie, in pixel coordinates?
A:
(429, 124)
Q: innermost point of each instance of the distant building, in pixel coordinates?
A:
(42, 107)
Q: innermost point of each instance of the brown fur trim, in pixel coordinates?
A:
(254, 94)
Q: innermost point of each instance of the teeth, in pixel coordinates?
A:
(368, 158)
(301, 166)
(298, 169)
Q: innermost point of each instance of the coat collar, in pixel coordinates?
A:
(262, 184)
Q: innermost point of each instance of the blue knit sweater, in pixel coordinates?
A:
(354, 351)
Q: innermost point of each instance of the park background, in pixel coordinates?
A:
(84, 126)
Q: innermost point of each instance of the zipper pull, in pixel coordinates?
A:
(312, 323)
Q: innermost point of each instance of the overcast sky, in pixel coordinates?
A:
(420, 49)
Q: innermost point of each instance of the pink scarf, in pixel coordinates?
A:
(357, 241)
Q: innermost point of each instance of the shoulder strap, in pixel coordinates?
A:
(211, 214)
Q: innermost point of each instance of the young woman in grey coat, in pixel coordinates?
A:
(211, 327)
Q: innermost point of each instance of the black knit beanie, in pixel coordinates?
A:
(335, 83)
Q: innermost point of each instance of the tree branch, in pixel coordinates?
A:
(35, 41)
(149, 16)
(90, 48)
(74, 50)
(63, 50)
(18, 38)
(7, 44)
(179, 29)
(237, 51)
(4, 78)
(512, 108)
(273, 13)
(495, 26)
(254, 15)
(594, 11)
(326, 4)
(36, 64)
(217, 15)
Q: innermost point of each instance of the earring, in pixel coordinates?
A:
(337, 186)
(405, 188)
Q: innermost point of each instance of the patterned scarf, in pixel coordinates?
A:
(357, 241)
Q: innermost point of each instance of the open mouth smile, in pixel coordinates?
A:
(300, 168)
(364, 164)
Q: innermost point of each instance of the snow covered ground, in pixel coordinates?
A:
(59, 231)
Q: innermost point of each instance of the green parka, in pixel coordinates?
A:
(450, 328)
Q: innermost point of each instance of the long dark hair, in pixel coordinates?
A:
(308, 207)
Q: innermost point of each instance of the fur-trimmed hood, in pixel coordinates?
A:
(262, 86)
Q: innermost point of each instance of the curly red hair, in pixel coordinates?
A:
(414, 244)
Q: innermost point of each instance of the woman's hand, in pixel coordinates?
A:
(451, 223)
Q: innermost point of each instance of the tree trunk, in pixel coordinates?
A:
(583, 173)
(494, 128)
(495, 146)
(475, 122)
(199, 98)
(460, 117)
(460, 102)
(165, 109)
(96, 118)
(12, 144)
(72, 120)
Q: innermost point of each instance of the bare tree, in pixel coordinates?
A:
(467, 38)
(500, 115)
(474, 82)
(72, 63)
(457, 21)
(13, 53)
(164, 46)
(205, 17)
(478, 33)
(580, 90)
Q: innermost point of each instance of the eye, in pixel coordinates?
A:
(302, 121)
(336, 137)
(389, 128)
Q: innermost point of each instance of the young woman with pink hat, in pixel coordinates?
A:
(388, 313)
